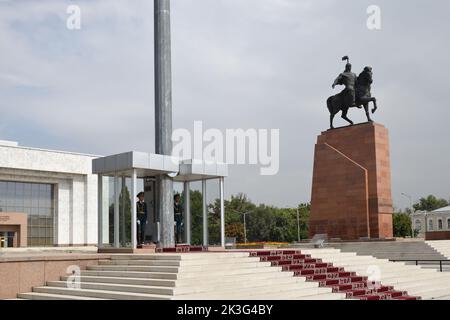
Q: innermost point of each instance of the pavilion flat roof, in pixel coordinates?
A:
(150, 165)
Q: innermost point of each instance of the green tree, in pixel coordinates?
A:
(304, 211)
(263, 223)
(196, 217)
(124, 218)
(401, 224)
(430, 203)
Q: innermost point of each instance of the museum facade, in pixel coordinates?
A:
(47, 197)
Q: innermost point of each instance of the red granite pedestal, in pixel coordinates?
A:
(351, 193)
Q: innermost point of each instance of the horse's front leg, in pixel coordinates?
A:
(375, 107)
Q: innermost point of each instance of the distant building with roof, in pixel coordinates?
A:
(434, 221)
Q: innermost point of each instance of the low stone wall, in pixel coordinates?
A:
(437, 235)
(20, 273)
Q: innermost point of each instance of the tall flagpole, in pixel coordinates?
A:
(163, 118)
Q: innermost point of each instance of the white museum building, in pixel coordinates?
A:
(55, 189)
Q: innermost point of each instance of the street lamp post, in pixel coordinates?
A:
(412, 210)
(298, 225)
(245, 223)
(245, 229)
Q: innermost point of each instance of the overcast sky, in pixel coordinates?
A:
(236, 64)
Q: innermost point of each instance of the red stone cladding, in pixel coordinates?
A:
(351, 192)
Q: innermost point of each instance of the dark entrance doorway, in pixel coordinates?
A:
(7, 239)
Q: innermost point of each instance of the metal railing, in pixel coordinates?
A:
(430, 262)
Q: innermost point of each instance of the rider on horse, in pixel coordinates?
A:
(348, 79)
(356, 93)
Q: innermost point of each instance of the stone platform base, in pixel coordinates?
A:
(351, 192)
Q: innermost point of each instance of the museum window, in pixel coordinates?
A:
(37, 201)
(418, 225)
(448, 224)
(440, 224)
(430, 225)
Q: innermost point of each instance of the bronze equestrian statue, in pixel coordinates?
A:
(357, 93)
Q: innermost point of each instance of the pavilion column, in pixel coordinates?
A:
(133, 210)
(187, 212)
(205, 215)
(222, 211)
(123, 226)
(116, 212)
(100, 211)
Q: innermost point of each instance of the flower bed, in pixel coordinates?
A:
(260, 245)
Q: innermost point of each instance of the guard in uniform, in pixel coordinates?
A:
(141, 208)
(178, 211)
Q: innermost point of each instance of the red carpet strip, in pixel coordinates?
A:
(340, 281)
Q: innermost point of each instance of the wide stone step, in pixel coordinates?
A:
(260, 294)
(411, 256)
(357, 259)
(324, 296)
(156, 256)
(118, 287)
(290, 295)
(224, 267)
(432, 294)
(365, 264)
(47, 296)
(100, 294)
(401, 277)
(385, 268)
(130, 274)
(394, 269)
(180, 256)
(319, 251)
(158, 263)
(262, 285)
(422, 284)
(216, 280)
(366, 261)
(134, 268)
(229, 272)
(418, 255)
(191, 262)
(313, 292)
(124, 280)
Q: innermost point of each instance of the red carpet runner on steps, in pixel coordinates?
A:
(354, 286)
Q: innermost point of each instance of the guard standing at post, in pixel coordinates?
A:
(141, 208)
(178, 211)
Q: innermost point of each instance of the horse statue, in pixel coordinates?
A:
(361, 93)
